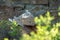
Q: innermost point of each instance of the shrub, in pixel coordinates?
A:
(45, 30)
(9, 30)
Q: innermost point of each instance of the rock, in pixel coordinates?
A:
(37, 10)
(25, 19)
(33, 1)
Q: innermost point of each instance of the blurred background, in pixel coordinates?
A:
(15, 8)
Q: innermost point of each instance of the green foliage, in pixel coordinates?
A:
(45, 30)
(6, 39)
(11, 28)
(59, 10)
(15, 29)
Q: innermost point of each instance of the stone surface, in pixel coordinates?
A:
(33, 1)
(6, 12)
(25, 19)
(18, 7)
(37, 10)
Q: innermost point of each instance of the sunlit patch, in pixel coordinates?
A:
(6, 39)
